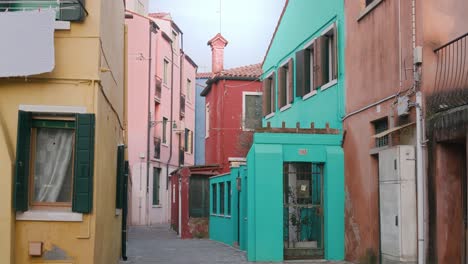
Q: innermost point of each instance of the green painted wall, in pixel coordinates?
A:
(265, 191)
(303, 21)
(226, 228)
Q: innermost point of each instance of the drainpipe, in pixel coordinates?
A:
(149, 124)
(171, 119)
(181, 68)
(420, 177)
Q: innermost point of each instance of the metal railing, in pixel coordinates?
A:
(451, 81)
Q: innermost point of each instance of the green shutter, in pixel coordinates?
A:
(156, 172)
(120, 176)
(84, 164)
(72, 11)
(23, 148)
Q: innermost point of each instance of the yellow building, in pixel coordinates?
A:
(59, 138)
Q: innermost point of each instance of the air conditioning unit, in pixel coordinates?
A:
(397, 190)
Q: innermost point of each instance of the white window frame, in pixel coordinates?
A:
(286, 66)
(313, 91)
(207, 120)
(331, 81)
(244, 95)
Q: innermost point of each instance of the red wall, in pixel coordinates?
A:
(226, 137)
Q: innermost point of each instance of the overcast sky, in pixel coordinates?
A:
(248, 25)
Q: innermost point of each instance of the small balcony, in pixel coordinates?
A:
(158, 90)
(157, 147)
(182, 106)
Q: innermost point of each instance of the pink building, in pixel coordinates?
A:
(161, 117)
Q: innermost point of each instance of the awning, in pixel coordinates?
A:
(391, 130)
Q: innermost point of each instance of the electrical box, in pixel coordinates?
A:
(403, 105)
(397, 190)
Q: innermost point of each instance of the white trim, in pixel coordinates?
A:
(328, 29)
(237, 159)
(286, 107)
(53, 109)
(53, 216)
(244, 94)
(309, 95)
(329, 84)
(308, 44)
(62, 25)
(270, 115)
(285, 62)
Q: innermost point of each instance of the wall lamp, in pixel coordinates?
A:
(154, 123)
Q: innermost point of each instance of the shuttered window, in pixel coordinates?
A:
(120, 177)
(269, 95)
(214, 198)
(285, 84)
(156, 184)
(199, 201)
(68, 144)
(317, 64)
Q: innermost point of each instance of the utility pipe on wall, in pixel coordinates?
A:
(149, 125)
(420, 177)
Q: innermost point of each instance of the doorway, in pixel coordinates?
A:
(303, 210)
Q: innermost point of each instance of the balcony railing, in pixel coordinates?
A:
(181, 156)
(451, 80)
(158, 91)
(157, 147)
(67, 10)
(182, 106)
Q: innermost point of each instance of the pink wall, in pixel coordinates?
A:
(144, 211)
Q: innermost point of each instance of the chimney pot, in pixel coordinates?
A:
(217, 44)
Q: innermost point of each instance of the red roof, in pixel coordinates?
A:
(204, 75)
(249, 71)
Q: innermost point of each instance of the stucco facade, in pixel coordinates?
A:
(381, 41)
(161, 127)
(92, 84)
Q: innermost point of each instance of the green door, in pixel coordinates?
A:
(303, 210)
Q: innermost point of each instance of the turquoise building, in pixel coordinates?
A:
(292, 188)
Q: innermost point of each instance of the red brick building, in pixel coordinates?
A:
(233, 107)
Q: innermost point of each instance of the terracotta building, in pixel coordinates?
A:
(406, 89)
(232, 108)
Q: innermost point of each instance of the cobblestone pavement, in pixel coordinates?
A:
(158, 244)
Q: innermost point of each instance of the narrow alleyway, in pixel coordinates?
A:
(158, 244)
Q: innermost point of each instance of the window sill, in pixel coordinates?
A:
(286, 107)
(164, 145)
(157, 206)
(328, 85)
(53, 216)
(309, 95)
(155, 160)
(369, 9)
(62, 25)
(270, 115)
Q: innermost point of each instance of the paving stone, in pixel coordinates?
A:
(159, 244)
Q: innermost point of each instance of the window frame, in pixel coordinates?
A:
(214, 195)
(385, 140)
(164, 131)
(229, 198)
(34, 205)
(222, 198)
(165, 71)
(207, 120)
(158, 170)
(244, 108)
(188, 90)
(332, 55)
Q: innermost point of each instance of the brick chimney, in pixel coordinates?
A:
(217, 44)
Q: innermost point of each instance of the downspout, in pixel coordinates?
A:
(421, 183)
(181, 67)
(149, 125)
(171, 118)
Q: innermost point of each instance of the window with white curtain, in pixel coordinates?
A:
(52, 162)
